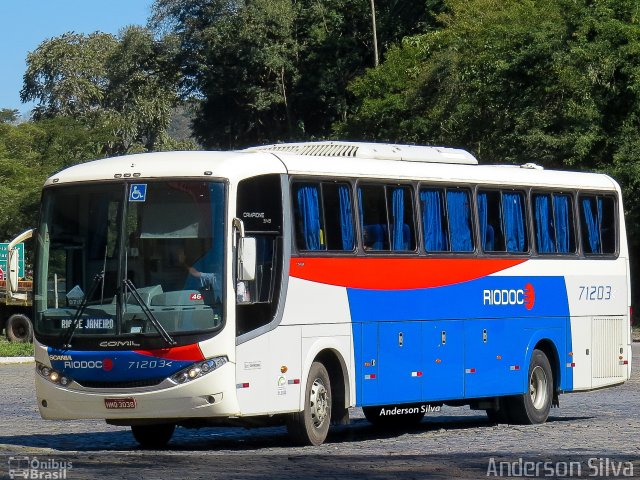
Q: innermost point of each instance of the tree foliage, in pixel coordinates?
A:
(29, 153)
(529, 80)
(271, 70)
(8, 115)
(122, 86)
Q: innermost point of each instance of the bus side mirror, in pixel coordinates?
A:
(12, 264)
(246, 259)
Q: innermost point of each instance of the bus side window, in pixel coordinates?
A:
(489, 215)
(434, 220)
(513, 215)
(446, 220)
(459, 216)
(308, 216)
(598, 221)
(323, 216)
(386, 217)
(502, 227)
(553, 222)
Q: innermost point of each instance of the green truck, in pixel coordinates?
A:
(15, 291)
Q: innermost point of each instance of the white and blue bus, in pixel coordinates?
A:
(285, 284)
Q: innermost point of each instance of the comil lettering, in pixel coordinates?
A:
(500, 297)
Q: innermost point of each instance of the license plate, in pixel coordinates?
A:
(119, 403)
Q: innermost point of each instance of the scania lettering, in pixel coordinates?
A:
(285, 284)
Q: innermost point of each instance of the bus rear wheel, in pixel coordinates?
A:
(534, 405)
(153, 436)
(311, 426)
(19, 328)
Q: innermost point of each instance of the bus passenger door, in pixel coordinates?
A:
(443, 360)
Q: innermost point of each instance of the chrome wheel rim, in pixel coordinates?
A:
(538, 388)
(319, 403)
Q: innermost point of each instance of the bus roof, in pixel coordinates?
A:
(330, 159)
(373, 151)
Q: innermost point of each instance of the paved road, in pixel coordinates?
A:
(597, 431)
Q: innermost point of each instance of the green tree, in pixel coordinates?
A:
(545, 81)
(67, 75)
(29, 153)
(121, 86)
(8, 115)
(271, 70)
(530, 80)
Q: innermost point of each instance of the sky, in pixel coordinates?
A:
(25, 24)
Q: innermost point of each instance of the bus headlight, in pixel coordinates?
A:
(52, 375)
(199, 369)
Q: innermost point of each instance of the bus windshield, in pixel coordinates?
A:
(112, 255)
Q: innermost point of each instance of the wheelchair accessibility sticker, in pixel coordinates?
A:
(138, 192)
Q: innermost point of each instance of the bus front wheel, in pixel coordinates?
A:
(153, 436)
(534, 405)
(311, 426)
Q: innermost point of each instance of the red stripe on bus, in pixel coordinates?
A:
(186, 353)
(395, 273)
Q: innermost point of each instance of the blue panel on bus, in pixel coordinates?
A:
(490, 324)
(442, 360)
(399, 362)
(489, 297)
(113, 366)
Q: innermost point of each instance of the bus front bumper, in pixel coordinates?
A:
(212, 395)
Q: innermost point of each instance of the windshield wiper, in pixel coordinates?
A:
(147, 311)
(67, 335)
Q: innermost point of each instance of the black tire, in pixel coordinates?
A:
(153, 436)
(383, 416)
(311, 426)
(534, 405)
(19, 328)
(500, 414)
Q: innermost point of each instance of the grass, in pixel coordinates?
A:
(9, 349)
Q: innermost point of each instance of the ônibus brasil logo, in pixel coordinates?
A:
(499, 297)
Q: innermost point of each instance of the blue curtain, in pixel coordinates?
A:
(397, 227)
(310, 215)
(544, 225)
(459, 213)
(563, 228)
(514, 222)
(346, 218)
(435, 239)
(487, 244)
(592, 222)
